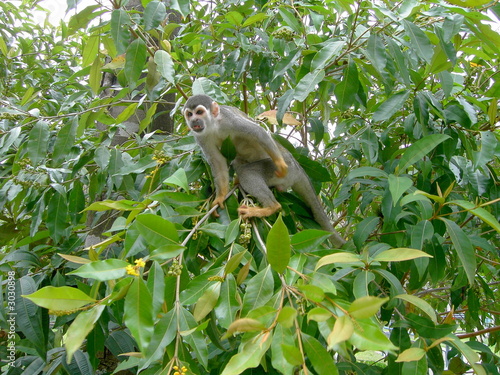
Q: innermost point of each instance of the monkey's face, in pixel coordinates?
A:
(197, 118)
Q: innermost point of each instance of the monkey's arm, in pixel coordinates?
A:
(220, 171)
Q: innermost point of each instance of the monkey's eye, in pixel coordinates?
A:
(189, 114)
(200, 112)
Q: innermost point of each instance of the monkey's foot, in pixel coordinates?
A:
(248, 212)
(281, 168)
(220, 202)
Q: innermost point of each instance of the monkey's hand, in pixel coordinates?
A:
(281, 168)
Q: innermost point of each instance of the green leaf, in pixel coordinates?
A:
(62, 298)
(119, 29)
(179, 178)
(308, 84)
(57, 222)
(291, 354)
(135, 60)
(80, 328)
(321, 360)
(367, 335)
(83, 18)
(38, 142)
(249, 355)
(156, 230)
(364, 230)
(375, 50)
(233, 17)
(419, 150)
(400, 254)
(65, 141)
(193, 336)
(228, 303)
(489, 145)
(480, 212)
(472, 356)
(421, 232)
(469, 3)
(80, 364)
(367, 171)
(207, 302)
(419, 41)
(154, 14)
(121, 205)
(290, 19)
(426, 327)
(254, 18)
(398, 186)
(326, 54)
(91, 49)
(259, 291)
(102, 270)
(234, 262)
(127, 112)
(388, 108)
(309, 239)
(278, 246)
(463, 247)
(138, 313)
(29, 317)
(286, 316)
(164, 333)
(156, 285)
(165, 65)
(421, 304)
(366, 307)
(346, 90)
(196, 287)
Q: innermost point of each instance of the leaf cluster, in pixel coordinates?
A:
(118, 266)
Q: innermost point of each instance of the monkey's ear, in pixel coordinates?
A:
(215, 109)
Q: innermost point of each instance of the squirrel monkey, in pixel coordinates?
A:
(260, 162)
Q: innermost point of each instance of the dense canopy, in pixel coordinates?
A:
(109, 259)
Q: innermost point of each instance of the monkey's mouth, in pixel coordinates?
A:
(197, 128)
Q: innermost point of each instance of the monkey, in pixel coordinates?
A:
(260, 162)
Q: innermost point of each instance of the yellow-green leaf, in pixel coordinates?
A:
(342, 331)
(400, 254)
(338, 258)
(411, 354)
(63, 298)
(480, 212)
(366, 307)
(287, 316)
(80, 328)
(102, 270)
(244, 325)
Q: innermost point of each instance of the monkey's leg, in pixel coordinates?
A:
(253, 180)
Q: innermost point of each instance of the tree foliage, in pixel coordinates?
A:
(398, 109)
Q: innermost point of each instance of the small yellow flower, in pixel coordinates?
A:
(140, 262)
(184, 369)
(177, 373)
(131, 270)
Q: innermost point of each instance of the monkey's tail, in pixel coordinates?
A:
(307, 193)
